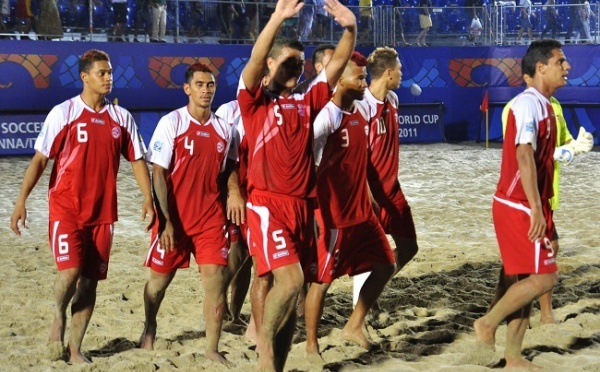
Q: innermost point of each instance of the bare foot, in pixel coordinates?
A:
(77, 357)
(57, 329)
(147, 339)
(266, 360)
(314, 357)
(548, 319)
(56, 350)
(358, 337)
(484, 333)
(251, 332)
(215, 356)
(522, 363)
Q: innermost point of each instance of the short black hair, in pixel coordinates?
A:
(538, 51)
(317, 55)
(88, 58)
(281, 43)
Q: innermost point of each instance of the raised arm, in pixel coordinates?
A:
(142, 176)
(32, 176)
(254, 70)
(346, 18)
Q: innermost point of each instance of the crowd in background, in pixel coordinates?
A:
(414, 22)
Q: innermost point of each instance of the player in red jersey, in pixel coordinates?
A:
(352, 240)
(281, 174)
(239, 266)
(188, 151)
(521, 208)
(86, 136)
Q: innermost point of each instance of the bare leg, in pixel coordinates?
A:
(300, 308)
(81, 313)
(353, 330)
(154, 293)
(517, 325)
(406, 249)
(516, 297)
(239, 271)
(258, 294)
(315, 301)
(278, 307)
(64, 289)
(547, 317)
(213, 281)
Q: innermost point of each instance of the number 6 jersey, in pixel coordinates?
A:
(85, 146)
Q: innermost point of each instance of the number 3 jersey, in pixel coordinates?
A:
(341, 158)
(86, 147)
(194, 153)
(383, 146)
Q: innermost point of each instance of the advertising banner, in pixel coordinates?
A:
(421, 123)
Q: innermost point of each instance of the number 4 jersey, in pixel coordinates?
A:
(195, 155)
(85, 146)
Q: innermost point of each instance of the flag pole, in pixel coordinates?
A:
(487, 128)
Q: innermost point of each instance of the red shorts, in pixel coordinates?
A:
(236, 233)
(280, 230)
(87, 247)
(519, 255)
(208, 247)
(395, 216)
(349, 250)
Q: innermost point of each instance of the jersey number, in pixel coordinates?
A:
(189, 145)
(345, 137)
(278, 115)
(381, 129)
(63, 244)
(277, 238)
(82, 135)
(160, 250)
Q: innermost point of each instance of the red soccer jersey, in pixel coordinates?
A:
(383, 146)
(341, 154)
(195, 155)
(530, 120)
(230, 112)
(280, 138)
(86, 146)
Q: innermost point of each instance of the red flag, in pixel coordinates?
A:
(485, 104)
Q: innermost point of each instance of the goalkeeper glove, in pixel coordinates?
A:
(564, 154)
(583, 143)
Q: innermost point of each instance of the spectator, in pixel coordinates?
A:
(525, 20)
(366, 19)
(49, 25)
(399, 21)
(551, 19)
(241, 22)
(322, 30)
(585, 11)
(4, 13)
(143, 19)
(24, 16)
(424, 21)
(307, 14)
(159, 20)
(574, 19)
(120, 19)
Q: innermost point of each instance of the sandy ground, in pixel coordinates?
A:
(430, 306)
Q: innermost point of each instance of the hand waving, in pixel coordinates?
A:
(340, 13)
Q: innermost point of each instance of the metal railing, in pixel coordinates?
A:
(235, 22)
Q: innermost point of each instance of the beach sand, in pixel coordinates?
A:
(429, 306)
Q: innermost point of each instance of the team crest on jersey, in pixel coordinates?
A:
(116, 132)
(529, 127)
(98, 121)
(353, 123)
(157, 146)
(220, 147)
(203, 134)
(301, 109)
(224, 252)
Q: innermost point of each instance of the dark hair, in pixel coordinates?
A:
(538, 51)
(196, 67)
(317, 55)
(380, 60)
(358, 59)
(281, 43)
(88, 58)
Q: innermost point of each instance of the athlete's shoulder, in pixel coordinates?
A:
(222, 127)
(228, 110)
(363, 108)
(392, 98)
